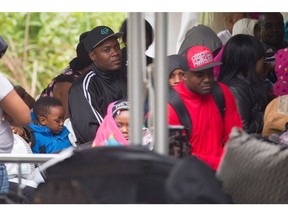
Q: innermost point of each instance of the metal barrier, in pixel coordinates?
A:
(30, 158)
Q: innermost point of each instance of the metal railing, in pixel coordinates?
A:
(30, 158)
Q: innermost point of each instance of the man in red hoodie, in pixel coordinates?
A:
(210, 131)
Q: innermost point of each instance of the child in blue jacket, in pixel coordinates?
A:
(47, 132)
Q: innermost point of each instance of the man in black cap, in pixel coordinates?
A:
(91, 94)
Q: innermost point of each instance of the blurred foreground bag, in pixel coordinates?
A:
(254, 170)
(128, 175)
(107, 174)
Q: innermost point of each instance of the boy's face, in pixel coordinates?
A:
(176, 76)
(122, 122)
(54, 120)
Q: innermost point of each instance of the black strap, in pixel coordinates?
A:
(181, 110)
(30, 133)
(219, 99)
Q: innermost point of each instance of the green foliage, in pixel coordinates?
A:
(41, 45)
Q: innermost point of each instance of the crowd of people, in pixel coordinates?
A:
(243, 68)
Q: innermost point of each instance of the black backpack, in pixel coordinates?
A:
(182, 112)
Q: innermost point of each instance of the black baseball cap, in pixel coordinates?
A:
(98, 35)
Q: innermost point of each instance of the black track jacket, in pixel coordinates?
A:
(89, 97)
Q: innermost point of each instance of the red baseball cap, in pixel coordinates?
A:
(200, 58)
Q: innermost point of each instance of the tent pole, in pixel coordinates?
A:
(136, 67)
(161, 85)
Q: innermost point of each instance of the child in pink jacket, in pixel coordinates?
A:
(114, 130)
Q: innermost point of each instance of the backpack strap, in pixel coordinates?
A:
(181, 110)
(219, 98)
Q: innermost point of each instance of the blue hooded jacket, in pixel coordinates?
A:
(46, 142)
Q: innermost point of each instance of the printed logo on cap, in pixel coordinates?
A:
(104, 31)
(121, 105)
(201, 58)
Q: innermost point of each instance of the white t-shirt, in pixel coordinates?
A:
(224, 36)
(6, 134)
